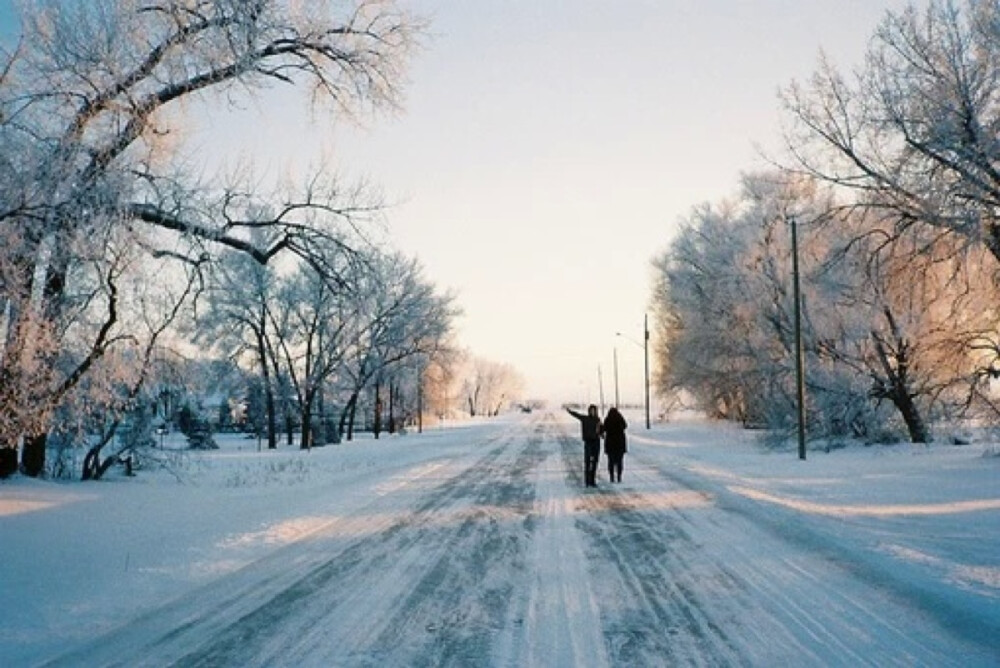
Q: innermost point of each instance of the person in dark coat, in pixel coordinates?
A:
(590, 430)
(615, 445)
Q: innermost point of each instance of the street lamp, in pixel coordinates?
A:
(645, 354)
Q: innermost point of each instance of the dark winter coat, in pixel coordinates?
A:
(614, 433)
(590, 426)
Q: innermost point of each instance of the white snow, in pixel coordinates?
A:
(711, 551)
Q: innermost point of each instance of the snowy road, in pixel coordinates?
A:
(498, 556)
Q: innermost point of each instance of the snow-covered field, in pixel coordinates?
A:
(477, 545)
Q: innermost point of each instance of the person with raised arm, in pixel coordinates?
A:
(590, 430)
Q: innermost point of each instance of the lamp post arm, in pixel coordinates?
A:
(628, 338)
(645, 357)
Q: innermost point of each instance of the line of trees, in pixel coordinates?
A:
(316, 347)
(894, 181)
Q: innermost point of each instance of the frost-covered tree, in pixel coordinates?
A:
(401, 318)
(884, 323)
(698, 290)
(906, 315)
(910, 142)
(89, 98)
(490, 386)
(441, 380)
(722, 300)
(236, 321)
(912, 136)
(313, 319)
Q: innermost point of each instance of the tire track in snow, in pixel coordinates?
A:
(455, 611)
(636, 545)
(689, 582)
(832, 602)
(162, 635)
(555, 620)
(241, 618)
(414, 591)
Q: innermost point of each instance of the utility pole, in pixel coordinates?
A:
(645, 359)
(645, 355)
(600, 387)
(799, 361)
(616, 377)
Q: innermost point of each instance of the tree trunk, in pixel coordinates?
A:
(321, 425)
(288, 413)
(33, 454)
(911, 416)
(474, 402)
(377, 425)
(306, 431)
(272, 416)
(347, 417)
(392, 408)
(54, 288)
(272, 419)
(420, 405)
(8, 462)
(93, 468)
(897, 389)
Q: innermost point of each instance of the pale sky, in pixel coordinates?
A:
(547, 149)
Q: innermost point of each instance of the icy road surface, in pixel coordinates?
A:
(497, 555)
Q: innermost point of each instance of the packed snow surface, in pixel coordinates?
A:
(477, 544)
